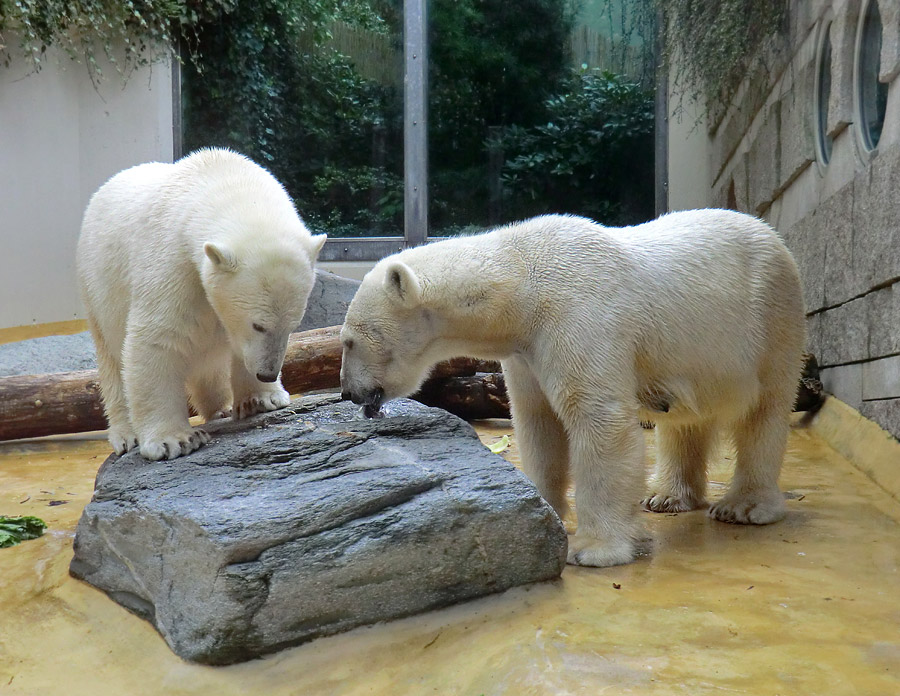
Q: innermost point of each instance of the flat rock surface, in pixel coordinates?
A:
(49, 354)
(328, 302)
(309, 521)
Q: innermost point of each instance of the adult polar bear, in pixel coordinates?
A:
(193, 275)
(694, 321)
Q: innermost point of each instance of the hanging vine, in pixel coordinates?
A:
(709, 46)
(713, 45)
(133, 33)
(128, 34)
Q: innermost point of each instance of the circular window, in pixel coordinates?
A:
(871, 94)
(824, 142)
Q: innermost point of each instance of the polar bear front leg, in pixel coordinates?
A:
(541, 439)
(679, 480)
(606, 449)
(252, 396)
(210, 387)
(157, 399)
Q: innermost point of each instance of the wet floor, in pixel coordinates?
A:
(808, 606)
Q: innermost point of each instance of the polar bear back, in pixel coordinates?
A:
(704, 301)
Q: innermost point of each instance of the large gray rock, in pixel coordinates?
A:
(327, 306)
(328, 301)
(309, 521)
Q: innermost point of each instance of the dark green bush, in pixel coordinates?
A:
(308, 116)
(593, 156)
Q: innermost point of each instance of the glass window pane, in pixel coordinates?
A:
(824, 92)
(313, 92)
(538, 108)
(872, 92)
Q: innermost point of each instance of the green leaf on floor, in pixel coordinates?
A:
(14, 530)
(500, 445)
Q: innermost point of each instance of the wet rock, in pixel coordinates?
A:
(309, 521)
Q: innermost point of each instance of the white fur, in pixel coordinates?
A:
(176, 263)
(597, 328)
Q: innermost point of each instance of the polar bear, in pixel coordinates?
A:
(694, 321)
(193, 274)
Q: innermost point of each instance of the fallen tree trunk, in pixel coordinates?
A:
(469, 397)
(69, 402)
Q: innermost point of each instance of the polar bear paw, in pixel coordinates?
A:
(122, 441)
(175, 445)
(660, 502)
(219, 415)
(260, 403)
(754, 508)
(588, 551)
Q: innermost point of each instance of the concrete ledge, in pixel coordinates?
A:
(870, 449)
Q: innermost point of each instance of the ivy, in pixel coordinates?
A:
(715, 44)
(594, 154)
(711, 46)
(128, 34)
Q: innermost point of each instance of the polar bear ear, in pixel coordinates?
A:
(402, 284)
(221, 256)
(317, 242)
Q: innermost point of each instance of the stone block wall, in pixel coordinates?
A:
(841, 219)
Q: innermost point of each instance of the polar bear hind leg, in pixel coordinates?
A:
(540, 437)
(760, 437)
(679, 480)
(760, 434)
(121, 434)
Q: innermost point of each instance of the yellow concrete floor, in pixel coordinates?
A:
(808, 606)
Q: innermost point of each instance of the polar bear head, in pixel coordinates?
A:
(390, 336)
(259, 294)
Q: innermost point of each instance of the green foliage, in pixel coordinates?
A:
(128, 34)
(593, 156)
(14, 530)
(711, 45)
(715, 43)
(492, 64)
(264, 79)
(307, 115)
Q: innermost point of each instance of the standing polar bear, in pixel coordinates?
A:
(193, 275)
(694, 321)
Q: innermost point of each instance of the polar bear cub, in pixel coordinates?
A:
(193, 275)
(694, 321)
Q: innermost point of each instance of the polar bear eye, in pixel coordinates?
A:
(348, 344)
(257, 327)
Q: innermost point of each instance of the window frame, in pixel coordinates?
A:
(820, 119)
(865, 148)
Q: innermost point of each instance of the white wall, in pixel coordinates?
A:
(60, 139)
(688, 174)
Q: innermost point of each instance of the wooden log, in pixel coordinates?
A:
(69, 402)
(470, 397)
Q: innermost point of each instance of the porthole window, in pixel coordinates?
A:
(871, 93)
(824, 142)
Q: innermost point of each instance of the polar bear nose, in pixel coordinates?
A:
(267, 376)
